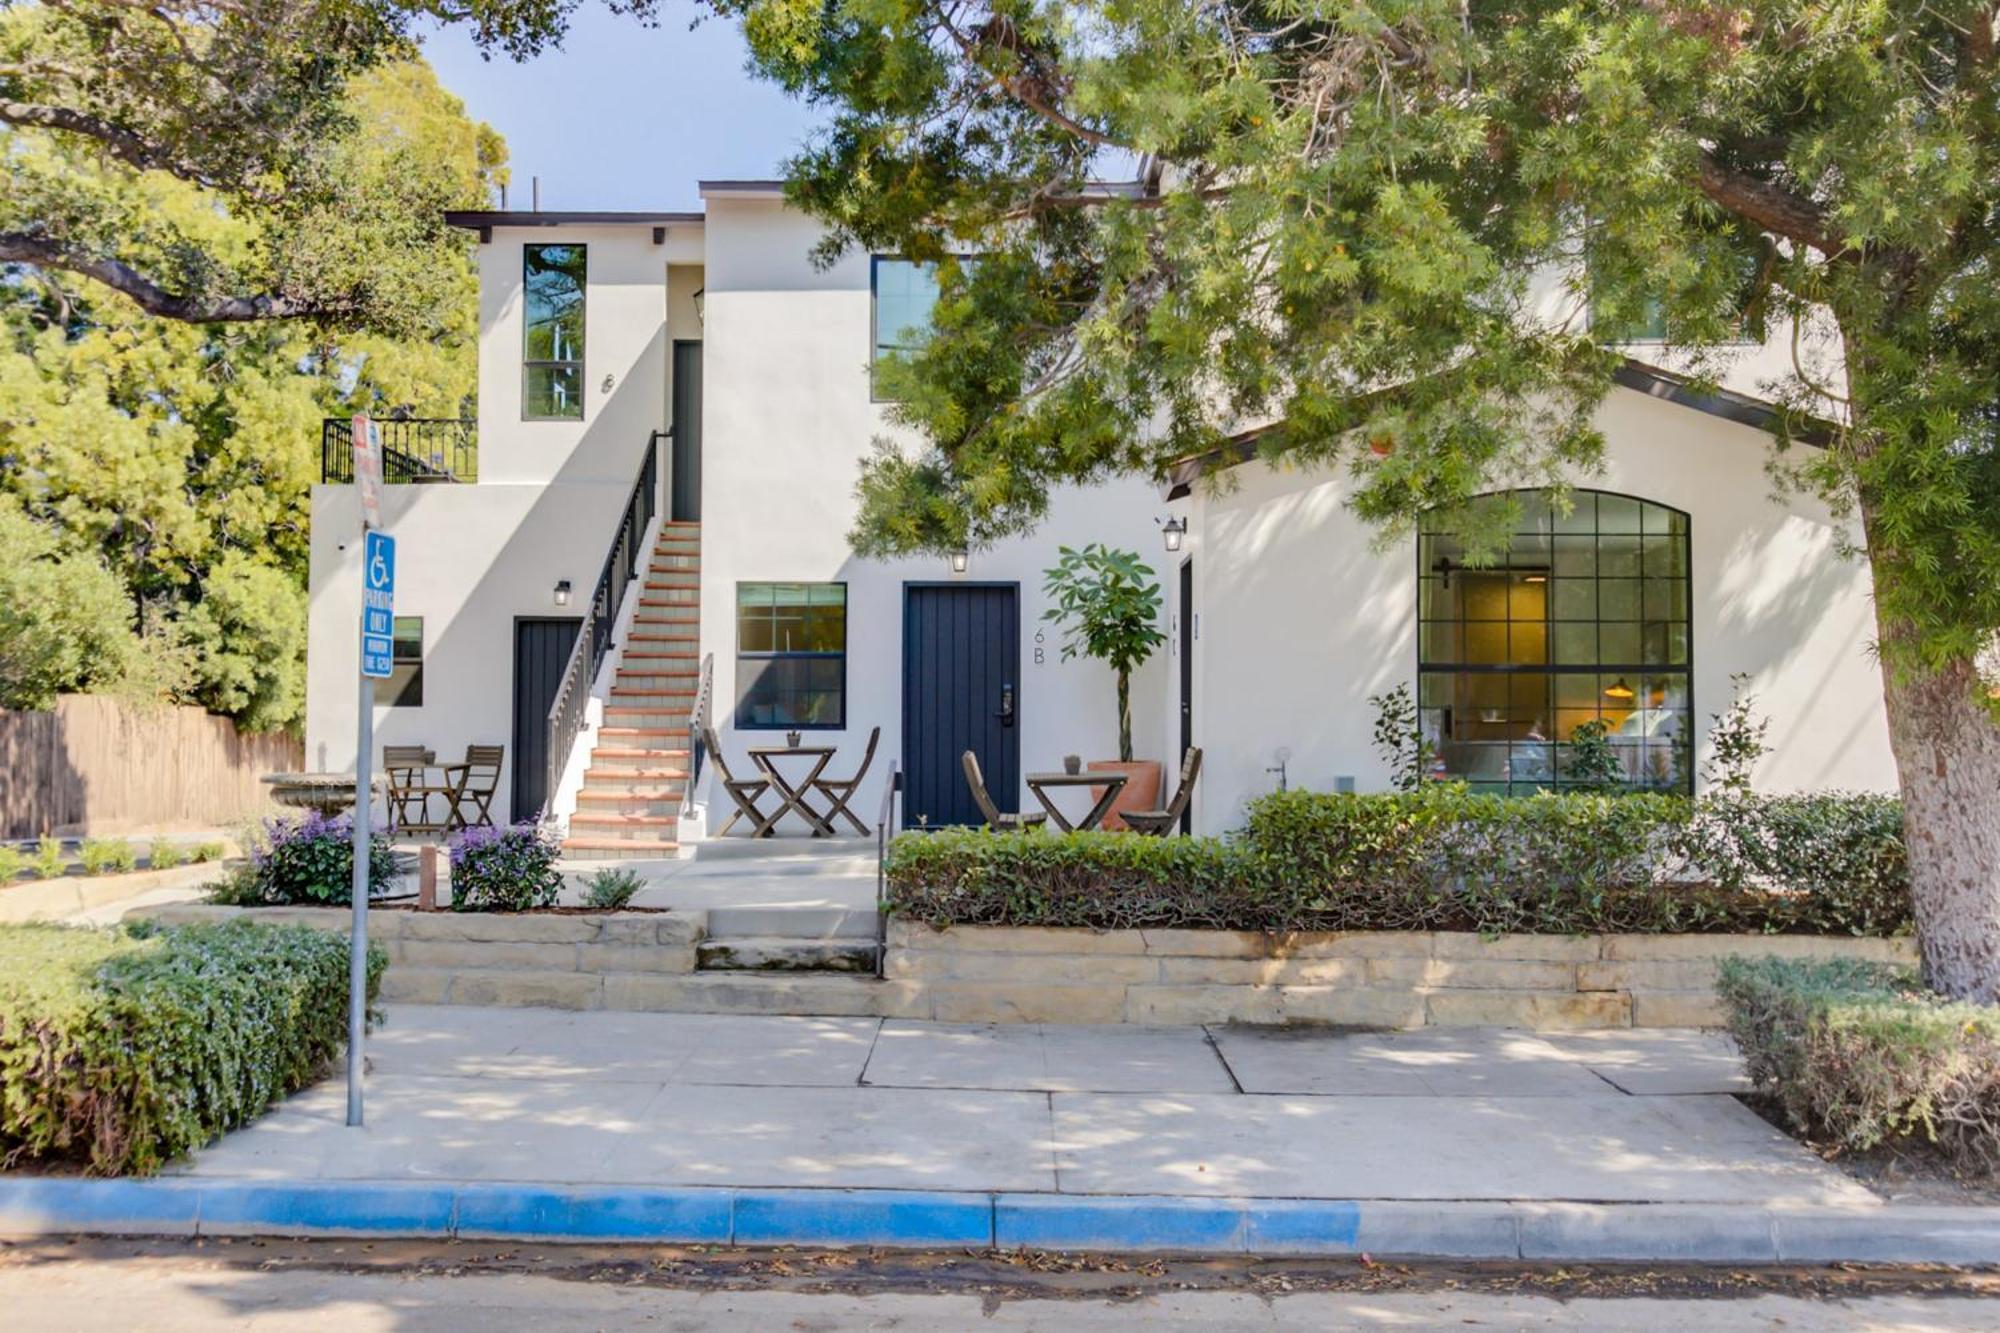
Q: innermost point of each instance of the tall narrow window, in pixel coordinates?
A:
(404, 685)
(791, 655)
(552, 359)
(905, 294)
(1584, 618)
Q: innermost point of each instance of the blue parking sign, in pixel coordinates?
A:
(378, 604)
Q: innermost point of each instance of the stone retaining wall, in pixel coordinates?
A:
(1401, 979)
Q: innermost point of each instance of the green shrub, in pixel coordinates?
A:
(1860, 1055)
(611, 888)
(49, 860)
(205, 852)
(107, 856)
(11, 863)
(1439, 858)
(510, 869)
(310, 860)
(125, 1049)
(164, 854)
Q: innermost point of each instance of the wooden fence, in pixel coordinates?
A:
(102, 765)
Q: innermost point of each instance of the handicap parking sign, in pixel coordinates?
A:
(378, 604)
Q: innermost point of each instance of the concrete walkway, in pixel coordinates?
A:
(464, 1094)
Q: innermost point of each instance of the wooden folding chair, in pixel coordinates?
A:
(1159, 823)
(994, 818)
(407, 767)
(840, 791)
(743, 791)
(478, 778)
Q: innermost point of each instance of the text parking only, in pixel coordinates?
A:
(378, 605)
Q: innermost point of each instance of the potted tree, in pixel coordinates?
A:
(1107, 605)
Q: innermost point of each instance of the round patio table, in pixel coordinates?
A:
(1113, 783)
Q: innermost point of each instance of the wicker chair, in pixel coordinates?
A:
(1159, 823)
(994, 819)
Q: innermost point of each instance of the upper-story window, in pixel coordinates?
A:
(905, 293)
(552, 355)
(1648, 323)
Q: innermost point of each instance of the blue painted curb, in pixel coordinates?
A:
(719, 1215)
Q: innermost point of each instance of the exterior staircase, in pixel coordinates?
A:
(629, 808)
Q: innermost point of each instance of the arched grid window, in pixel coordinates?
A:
(1583, 618)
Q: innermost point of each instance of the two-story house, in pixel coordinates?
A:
(652, 511)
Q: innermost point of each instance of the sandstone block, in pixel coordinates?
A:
(1208, 943)
(1033, 969)
(1347, 1006)
(903, 999)
(1540, 1010)
(627, 928)
(488, 956)
(1167, 1005)
(1263, 971)
(1456, 944)
(499, 927)
(680, 927)
(672, 958)
(1670, 947)
(1354, 944)
(978, 1002)
(1472, 973)
(416, 985)
(1677, 1009)
(537, 990)
(1661, 974)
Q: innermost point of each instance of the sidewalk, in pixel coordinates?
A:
(1461, 1142)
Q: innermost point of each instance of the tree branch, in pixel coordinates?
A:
(130, 148)
(40, 251)
(1772, 207)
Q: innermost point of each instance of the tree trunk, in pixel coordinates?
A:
(1948, 758)
(1124, 718)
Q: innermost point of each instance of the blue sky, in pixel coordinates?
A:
(624, 116)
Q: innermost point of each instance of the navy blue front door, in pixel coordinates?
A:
(961, 691)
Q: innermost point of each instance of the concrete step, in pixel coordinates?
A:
(632, 778)
(747, 993)
(793, 923)
(655, 801)
(635, 696)
(623, 716)
(620, 849)
(676, 682)
(591, 824)
(651, 761)
(754, 954)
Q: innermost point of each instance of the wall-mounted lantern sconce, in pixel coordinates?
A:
(701, 306)
(961, 560)
(562, 593)
(1173, 530)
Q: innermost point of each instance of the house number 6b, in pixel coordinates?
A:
(1041, 637)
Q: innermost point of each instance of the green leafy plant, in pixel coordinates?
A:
(204, 852)
(310, 860)
(50, 863)
(1737, 740)
(124, 1049)
(511, 869)
(1400, 738)
(1860, 1055)
(164, 854)
(1107, 604)
(611, 888)
(1588, 758)
(12, 862)
(106, 856)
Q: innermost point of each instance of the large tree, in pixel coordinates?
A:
(1343, 216)
(247, 101)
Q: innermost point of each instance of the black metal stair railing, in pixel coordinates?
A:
(600, 615)
(414, 449)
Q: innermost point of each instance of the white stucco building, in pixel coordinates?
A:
(692, 384)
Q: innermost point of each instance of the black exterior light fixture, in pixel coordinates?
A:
(961, 560)
(562, 593)
(1173, 531)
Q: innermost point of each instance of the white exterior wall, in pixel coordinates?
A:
(1302, 618)
(786, 421)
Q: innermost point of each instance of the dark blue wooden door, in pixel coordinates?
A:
(541, 653)
(961, 691)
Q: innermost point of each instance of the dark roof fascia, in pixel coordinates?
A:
(740, 187)
(1635, 375)
(484, 221)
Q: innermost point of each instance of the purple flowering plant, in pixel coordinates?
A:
(505, 869)
(310, 859)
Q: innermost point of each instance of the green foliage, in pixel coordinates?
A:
(1400, 739)
(50, 863)
(1591, 761)
(511, 869)
(1737, 739)
(164, 854)
(308, 861)
(107, 856)
(180, 457)
(1108, 607)
(204, 852)
(123, 1050)
(12, 863)
(611, 888)
(1436, 859)
(1861, 1055)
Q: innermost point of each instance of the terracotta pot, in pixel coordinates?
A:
(1140, 792)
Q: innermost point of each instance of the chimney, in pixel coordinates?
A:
(535, 193)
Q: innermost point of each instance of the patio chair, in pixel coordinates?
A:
(476, 781)
(743, 791)
(994, 819)
(1159, 823)
(840, 791)
(407, 768)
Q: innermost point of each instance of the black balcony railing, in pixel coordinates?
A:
(413, 449)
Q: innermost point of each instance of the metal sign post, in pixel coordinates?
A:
(378, 620)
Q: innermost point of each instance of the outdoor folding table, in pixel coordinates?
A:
(1113, 783)
(792, 796)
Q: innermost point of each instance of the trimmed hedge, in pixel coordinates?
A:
(123, 1049)
(1440, 859)
(1859, 1055)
